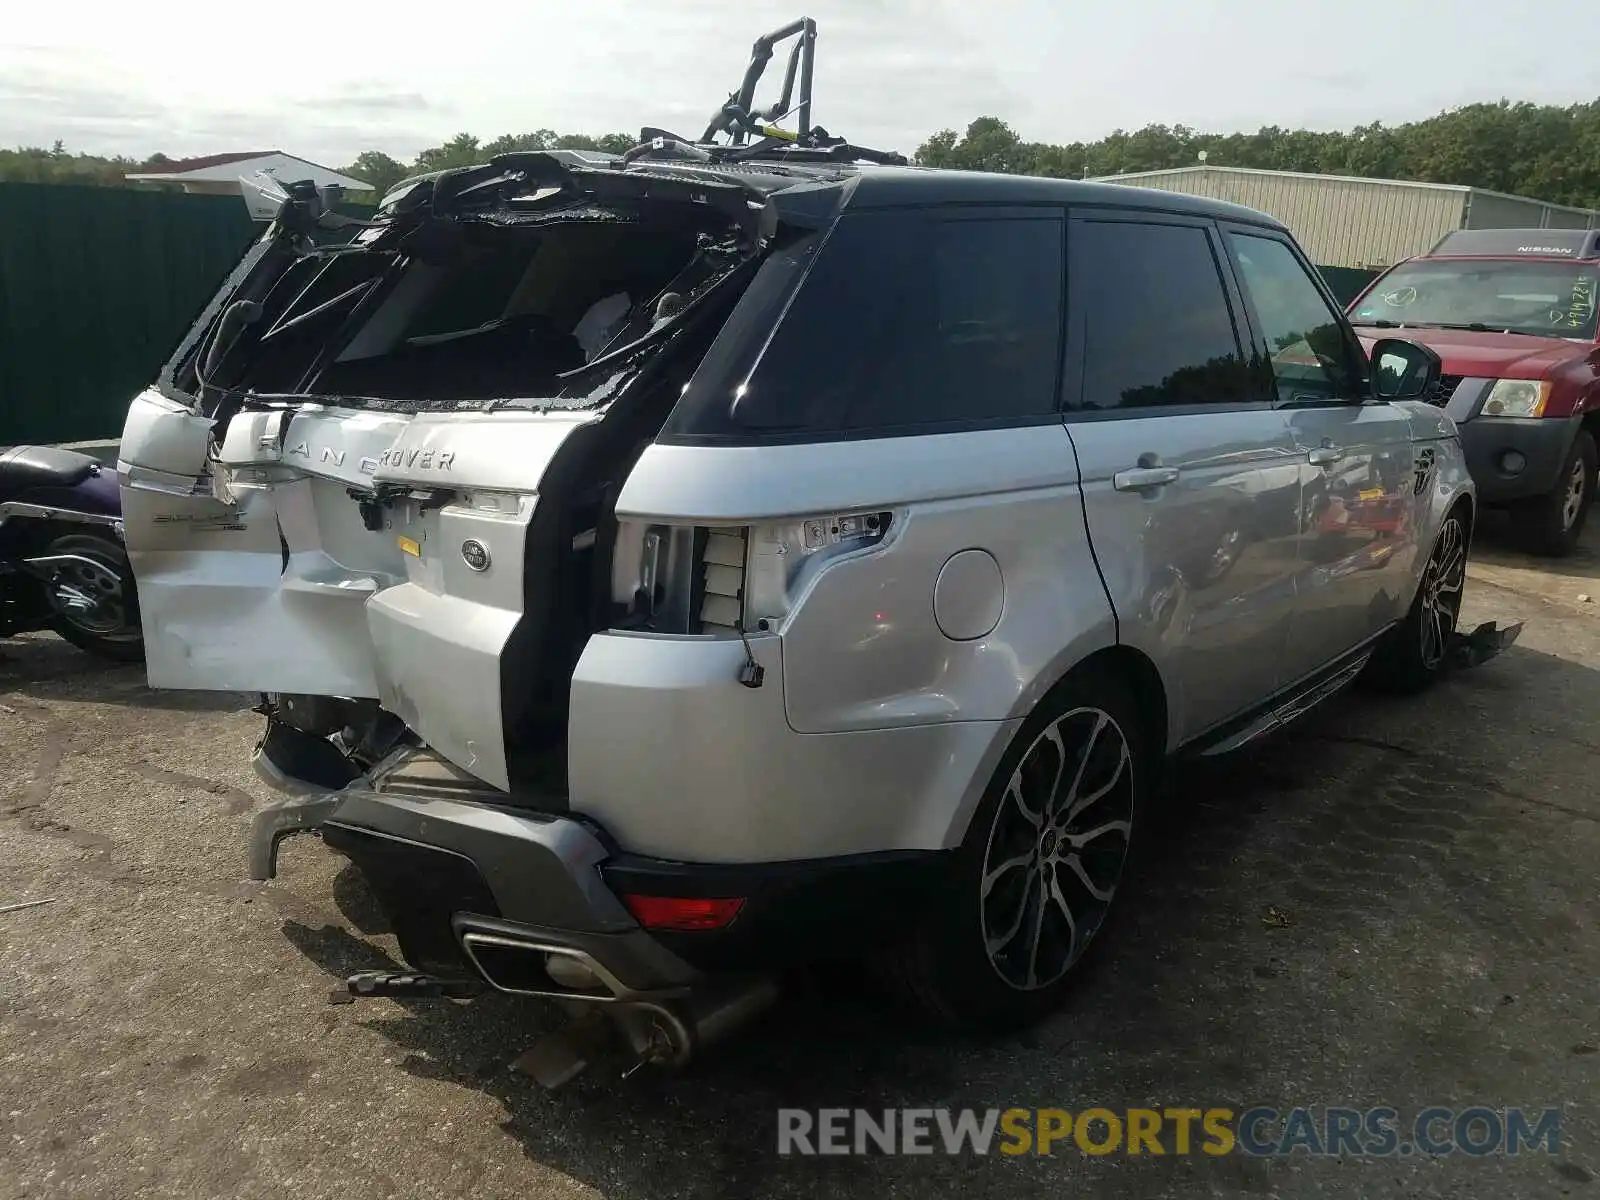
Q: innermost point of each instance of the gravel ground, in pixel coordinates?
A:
(1393, 904)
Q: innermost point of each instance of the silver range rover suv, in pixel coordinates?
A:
(662, 570)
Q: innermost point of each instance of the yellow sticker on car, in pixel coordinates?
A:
(1371, 493)
(410, 547)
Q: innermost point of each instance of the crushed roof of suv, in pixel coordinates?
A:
(875, 186)
(1516, 243)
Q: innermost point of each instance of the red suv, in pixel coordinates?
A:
(1512, 314)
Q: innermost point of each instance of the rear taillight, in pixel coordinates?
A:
(724, 580)
(679, 578)
(684, 914)
(786, 556)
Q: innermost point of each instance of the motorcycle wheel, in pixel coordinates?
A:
(93, 600)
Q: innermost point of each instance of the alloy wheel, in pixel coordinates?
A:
(1056, 848)
(1577, 482)
(1441, 591)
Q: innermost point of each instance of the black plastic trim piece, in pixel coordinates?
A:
(1218, 734)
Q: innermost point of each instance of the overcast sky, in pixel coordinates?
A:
(187, 77)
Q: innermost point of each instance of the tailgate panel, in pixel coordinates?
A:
(439, 635)
(254, 570)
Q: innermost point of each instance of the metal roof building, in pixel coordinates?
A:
(1348, 221)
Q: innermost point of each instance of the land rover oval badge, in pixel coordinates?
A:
(475, 554)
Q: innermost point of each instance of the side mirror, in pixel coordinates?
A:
(1403, 370)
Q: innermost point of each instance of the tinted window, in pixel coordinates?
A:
(1311, 357)
(1157, 328)
(905, 320)
(986, 344)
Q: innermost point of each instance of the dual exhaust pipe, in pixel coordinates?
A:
(663, 1028)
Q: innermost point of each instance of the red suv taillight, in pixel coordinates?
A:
(683, 913)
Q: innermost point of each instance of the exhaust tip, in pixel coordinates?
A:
(527, 968)
(572, 973)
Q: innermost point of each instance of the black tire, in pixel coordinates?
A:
(1416, 652)
(1550, 525)
(113, 633)
(945, 966)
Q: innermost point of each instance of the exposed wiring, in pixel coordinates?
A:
(752, 674)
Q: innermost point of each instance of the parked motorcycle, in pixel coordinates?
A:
(62, 561)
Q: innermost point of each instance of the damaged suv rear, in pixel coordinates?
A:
(368, 510)
(386, 484)
(661, 570)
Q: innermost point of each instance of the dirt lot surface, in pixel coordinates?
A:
(1394, 904)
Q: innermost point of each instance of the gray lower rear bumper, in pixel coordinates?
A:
(443, 868)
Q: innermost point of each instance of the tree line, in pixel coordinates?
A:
(1546, 151)
(36, 164)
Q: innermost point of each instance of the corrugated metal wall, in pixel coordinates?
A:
(1342, 223)
(1488, 211)
(96, 287)
(1572, 218)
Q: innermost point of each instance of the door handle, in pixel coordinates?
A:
(1324, 456)
(1137, 479)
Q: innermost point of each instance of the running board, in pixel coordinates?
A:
(1290, 710)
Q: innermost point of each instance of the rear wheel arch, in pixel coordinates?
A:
(1591, 418)
(1129, 667)
(1142, 677)
(948, 963)
(1467, 509)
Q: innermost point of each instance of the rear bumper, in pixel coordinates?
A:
(678, 762)
(454, 878)
(1494, 445)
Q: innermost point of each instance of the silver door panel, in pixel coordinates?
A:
(1360, 537)
(1200, 570)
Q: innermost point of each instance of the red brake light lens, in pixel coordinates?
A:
(683, 913)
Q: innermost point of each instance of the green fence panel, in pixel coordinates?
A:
(1346, 282)
(96, 287)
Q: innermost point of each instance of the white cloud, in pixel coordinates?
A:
(186, 77)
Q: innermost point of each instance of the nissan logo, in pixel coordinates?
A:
(475, 554)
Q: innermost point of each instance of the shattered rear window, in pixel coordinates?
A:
(492, 308)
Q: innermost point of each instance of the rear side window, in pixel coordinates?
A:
(907, 321)
(1310, 352)
(1157, 328)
